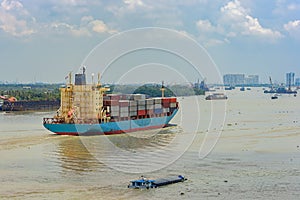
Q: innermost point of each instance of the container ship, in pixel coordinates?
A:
(87, 109)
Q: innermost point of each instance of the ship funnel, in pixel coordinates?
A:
(80, 79)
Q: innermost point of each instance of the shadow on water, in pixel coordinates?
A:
(131, 152)
(140, 140)
(72, 156)
(92, 154)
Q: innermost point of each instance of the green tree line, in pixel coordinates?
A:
(31, 92)
(155, 90)
(51, 91)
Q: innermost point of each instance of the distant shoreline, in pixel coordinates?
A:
(41, 105)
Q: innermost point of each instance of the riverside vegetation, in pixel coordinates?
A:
(45, 92)
(31, 92)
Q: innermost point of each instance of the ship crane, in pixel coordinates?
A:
(271, 82)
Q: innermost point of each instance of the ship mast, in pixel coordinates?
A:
(101, 110)
(99, 79)
(70, 78)
(162, 89)
(67, 101)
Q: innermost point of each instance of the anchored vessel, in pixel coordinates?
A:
(281, 89)
(146, 183)
(216, 96)
(86, 109)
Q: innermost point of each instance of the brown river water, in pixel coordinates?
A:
(256, 155)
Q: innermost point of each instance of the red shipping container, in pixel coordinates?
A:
(165, 100)
(114, 102)
(123, 97)
(124, 103)
(173, 99)
(110, 102)
(114, 96)
(166, 104)
(150, 112)
(106, 102)
(141, 112)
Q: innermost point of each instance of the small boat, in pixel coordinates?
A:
(144, 183)
(216, 96)
(274, 96)
(242, 89)
(230, 88)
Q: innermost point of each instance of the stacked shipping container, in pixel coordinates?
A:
(136, 106)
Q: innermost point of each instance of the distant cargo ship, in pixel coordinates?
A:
(86, 109)
(281, 90)
(216, 96)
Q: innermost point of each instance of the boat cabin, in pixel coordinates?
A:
(141, 183)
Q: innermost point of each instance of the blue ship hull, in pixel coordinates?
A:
(110, 127)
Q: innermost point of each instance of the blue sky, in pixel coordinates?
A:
(44, 40)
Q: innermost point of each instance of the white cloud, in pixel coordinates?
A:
(128, 6)
(293, 28)
(63, 28)
(139, 13)
(86, 28)
(80, 32)
(98, 26)
(253, 27)
(70, 2)
(10, 22)
(215, 42)
(133, 4)
(11, 25)
(293, 7)
(73, 2)
(286, 7)
(10, 5)
(86, 19)
(234, 11)
(211, 42)
(238, 20)
(206, 26)
(234, 21)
